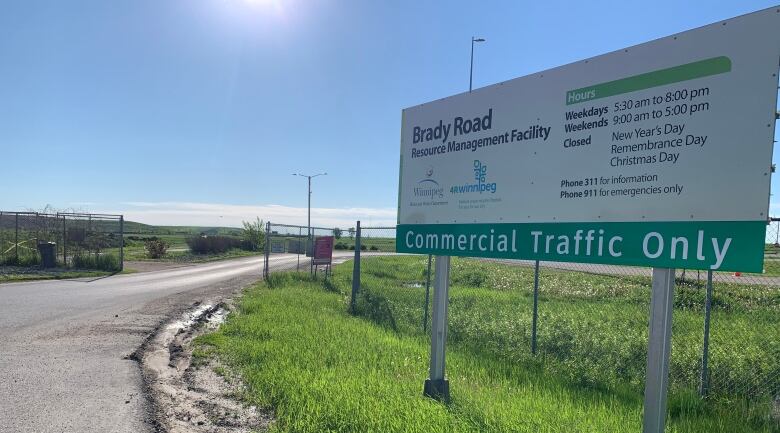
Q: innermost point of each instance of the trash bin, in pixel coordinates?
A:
(48, 251)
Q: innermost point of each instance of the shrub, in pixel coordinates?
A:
(340, 246)
(374, 248)
(363, 248)
(155, 248)
(212, 244)
(253, 235)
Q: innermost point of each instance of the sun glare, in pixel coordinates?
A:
(265, 5)
(274, 3)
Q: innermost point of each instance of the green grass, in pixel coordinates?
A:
(592, 328)
(382, 244)
(321, 369)
(51, 275)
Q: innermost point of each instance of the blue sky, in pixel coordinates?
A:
(198, 111)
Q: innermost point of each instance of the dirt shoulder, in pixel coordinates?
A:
(190, 395)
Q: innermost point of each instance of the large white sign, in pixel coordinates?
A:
(678, 129)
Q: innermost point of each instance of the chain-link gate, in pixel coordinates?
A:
(290, 248)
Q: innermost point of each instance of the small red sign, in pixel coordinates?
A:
(323, 249)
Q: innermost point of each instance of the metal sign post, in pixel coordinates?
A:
(355, 272)
(658, 349)
(436, 386)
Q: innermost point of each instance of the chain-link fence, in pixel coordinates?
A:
(65, 240)
(585, 323)
(291, 247)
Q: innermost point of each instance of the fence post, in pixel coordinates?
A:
(705, 351)
(427, 294)
(536, 307)
(16, 239)
(300, 236)
(355, 271)
(121, 243)
(267, 245)
(64, 243)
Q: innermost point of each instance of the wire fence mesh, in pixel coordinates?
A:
(290, 247)
(592, 325)
(75, 240)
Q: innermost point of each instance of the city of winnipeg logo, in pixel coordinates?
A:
(428, 187)
(479, 184)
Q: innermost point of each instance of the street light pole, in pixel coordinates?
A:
(471, 67)
(309, 177)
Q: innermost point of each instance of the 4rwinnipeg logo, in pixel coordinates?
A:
(480, 184)
(428, 187)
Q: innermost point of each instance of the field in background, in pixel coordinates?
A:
(176, 237)
(178, 250)
(322, 369)
(135, 228)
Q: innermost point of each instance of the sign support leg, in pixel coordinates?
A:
(436, 386)
(658, 350)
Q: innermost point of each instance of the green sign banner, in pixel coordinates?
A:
(648, 80)
(724, 246)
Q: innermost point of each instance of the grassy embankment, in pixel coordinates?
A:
(25, 275)
(324, 370)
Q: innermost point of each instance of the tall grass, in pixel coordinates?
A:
(23, 260)
(321, 369)
(592, 328)
(102, 262)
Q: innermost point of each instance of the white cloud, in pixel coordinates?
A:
(228, 215)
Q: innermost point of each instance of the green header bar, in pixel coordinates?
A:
(661, 77)
(725, 246)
